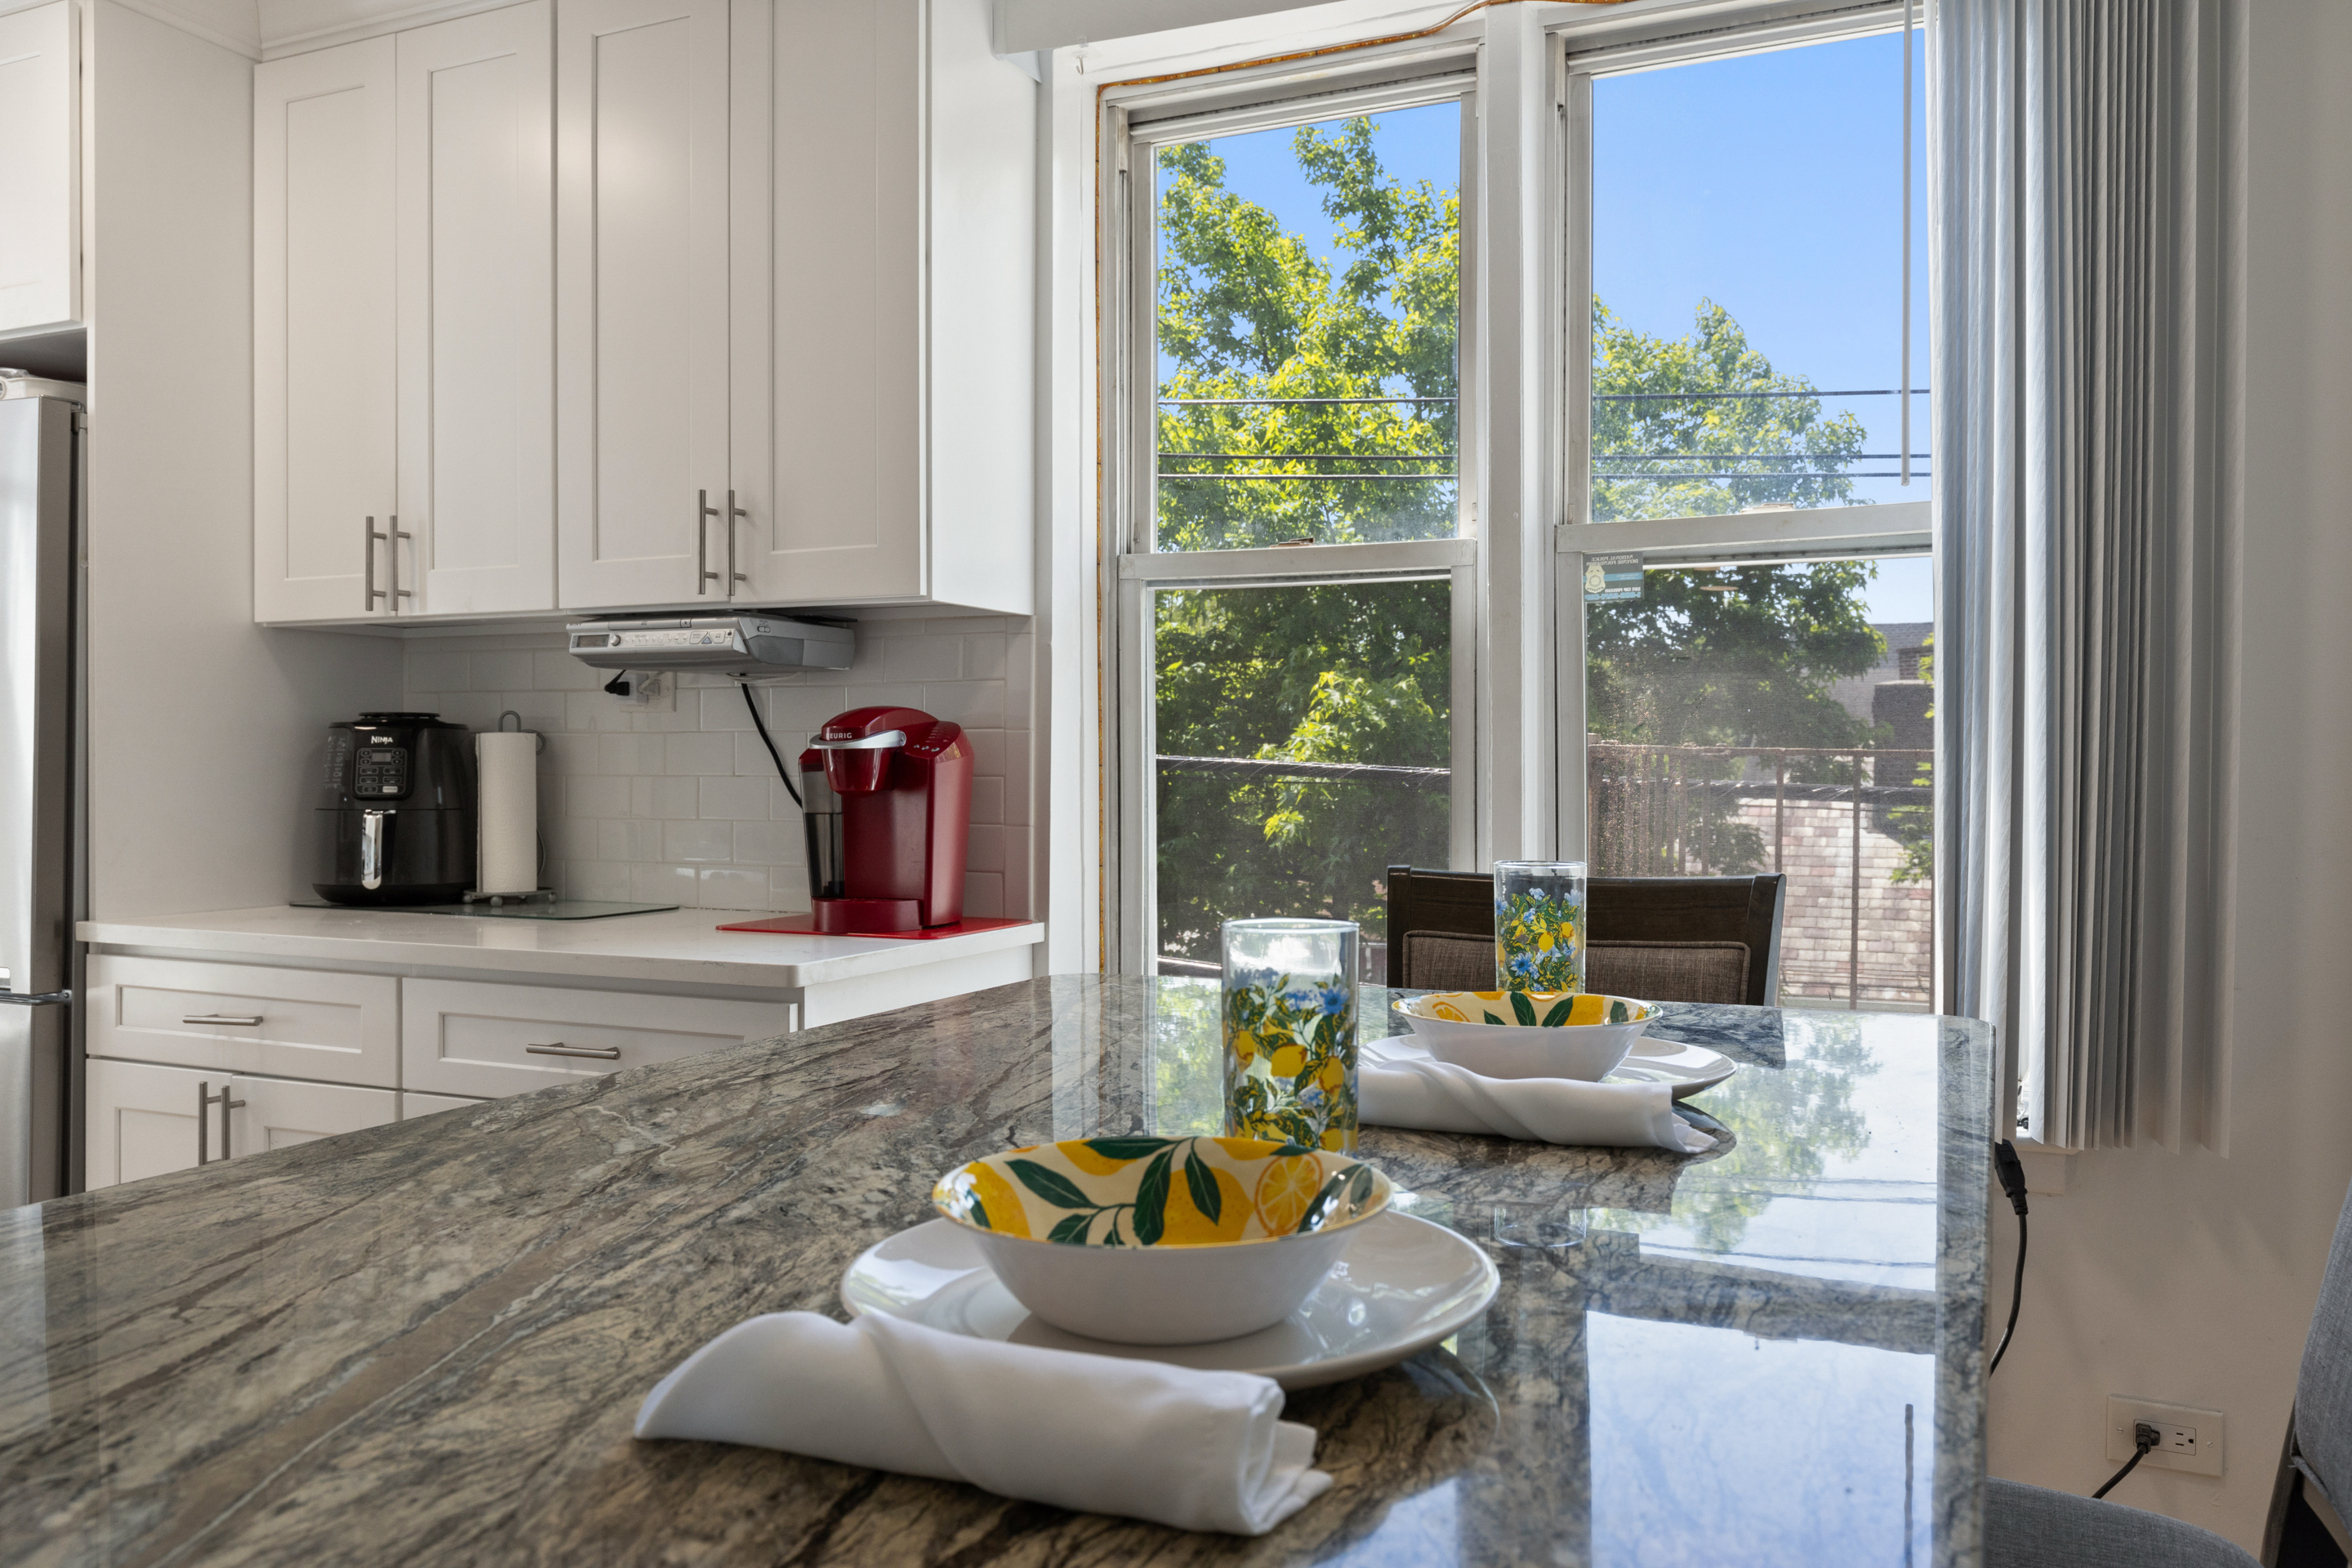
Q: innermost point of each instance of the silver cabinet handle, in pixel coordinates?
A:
(703, 512)
(392, 547)
(206, 1101)
(734, 576)
(373, 593)
(558, 1048)
(251, 1020)
(372, 848)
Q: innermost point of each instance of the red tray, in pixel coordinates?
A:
(805, 925)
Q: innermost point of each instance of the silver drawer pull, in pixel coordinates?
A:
(602, 1052)
(248, 1021)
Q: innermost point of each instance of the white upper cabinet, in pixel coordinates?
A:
(646, 304)
(642, 337)
(886, 336)
(403, 324)
(40, 224)
(325, 488)
(476, 310)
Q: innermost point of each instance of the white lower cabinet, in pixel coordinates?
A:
(467, 1037)
(146, 1119)
(412, 1106)
(166, 1036)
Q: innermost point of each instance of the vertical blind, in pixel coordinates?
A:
(2085, 636)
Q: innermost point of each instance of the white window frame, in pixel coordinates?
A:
(1816, 533)
(1135, 126)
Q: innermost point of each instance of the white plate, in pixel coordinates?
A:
(1688, 1068)
(1404, 1285)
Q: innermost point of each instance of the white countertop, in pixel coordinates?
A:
(674, 947)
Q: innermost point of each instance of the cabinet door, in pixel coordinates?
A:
(413, 1105)
(40, 227)
(840, 432)
(278, 1113)
(469, 1037)
(142, 1119)
(323, 393)
(641, 220)
(477, 303)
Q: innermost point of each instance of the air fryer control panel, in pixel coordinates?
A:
(381, 772)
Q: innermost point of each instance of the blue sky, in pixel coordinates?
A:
(1770, 183)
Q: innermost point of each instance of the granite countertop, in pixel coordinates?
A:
(424, 1342)
(674, 947)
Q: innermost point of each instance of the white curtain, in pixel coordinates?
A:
(2081, 196)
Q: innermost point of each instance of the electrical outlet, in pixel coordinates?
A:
(650, 691)
(2192, 1437)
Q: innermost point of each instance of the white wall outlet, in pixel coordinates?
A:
(2192, 1437)
(651, 690)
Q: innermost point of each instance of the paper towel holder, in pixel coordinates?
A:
(510, 713)
(538, 895)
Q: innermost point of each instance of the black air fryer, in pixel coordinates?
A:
(397, 811)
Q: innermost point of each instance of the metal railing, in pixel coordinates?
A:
(1660, 811)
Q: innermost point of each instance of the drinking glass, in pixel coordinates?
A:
(1539, 925)
(1289, 996)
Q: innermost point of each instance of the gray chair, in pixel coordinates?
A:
(2029, 1527)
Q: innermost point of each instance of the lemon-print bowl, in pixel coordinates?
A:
(1162, 1241)
(1527, 1034)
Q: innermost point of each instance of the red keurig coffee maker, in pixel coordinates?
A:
(886, 801)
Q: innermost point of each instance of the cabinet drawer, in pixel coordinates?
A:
(236, 1017)
(297, 1023)
(465, 1038)
(144, 1117)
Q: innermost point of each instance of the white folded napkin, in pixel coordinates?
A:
(1200, 1450)
(1400, 1084)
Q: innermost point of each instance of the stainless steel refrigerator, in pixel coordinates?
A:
(41, 504)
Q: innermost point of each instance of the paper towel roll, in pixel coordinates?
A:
(508, 811)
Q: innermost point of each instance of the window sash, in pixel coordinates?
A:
(1813, 533)
(1139, 568)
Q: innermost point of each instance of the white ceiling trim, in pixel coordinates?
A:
(232, 24)
(298, 26)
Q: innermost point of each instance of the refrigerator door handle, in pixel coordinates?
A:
(36, 999)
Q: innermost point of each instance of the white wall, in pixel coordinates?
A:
(2190, 1277)
(202, 725)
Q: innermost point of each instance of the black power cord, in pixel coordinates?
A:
(761, 725)
(2012, 1181)
(2144, 1437)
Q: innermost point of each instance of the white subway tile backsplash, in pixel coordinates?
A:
(697, 841)
(699, 752)
(734, 888)
(678, 801)
(509, 670)
(732, 799)
(925, 658)
(437, 671)
(769, 844)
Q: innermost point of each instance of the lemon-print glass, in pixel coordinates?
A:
(1539, 925)
(1289, 1001)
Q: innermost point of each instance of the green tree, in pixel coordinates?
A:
(1247, 314)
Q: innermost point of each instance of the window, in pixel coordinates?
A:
(1294, 577)
(1758, 647)
(1321, 659)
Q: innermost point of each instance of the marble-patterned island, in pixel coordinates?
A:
(424, 1343)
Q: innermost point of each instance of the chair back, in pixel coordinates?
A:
(2323, 1390)
(1663, 939)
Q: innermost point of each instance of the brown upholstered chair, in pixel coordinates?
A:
(1663, 939)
